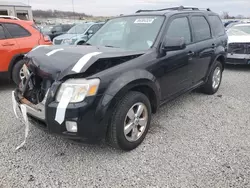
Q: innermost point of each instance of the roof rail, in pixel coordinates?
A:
(9, 17)
(180, 8)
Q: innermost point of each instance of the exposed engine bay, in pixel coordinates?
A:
(33, 87)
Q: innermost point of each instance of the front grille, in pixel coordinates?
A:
(57, 41)
(239, 48)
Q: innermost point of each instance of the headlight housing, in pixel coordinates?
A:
(81, 88)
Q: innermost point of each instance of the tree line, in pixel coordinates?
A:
(58, 13)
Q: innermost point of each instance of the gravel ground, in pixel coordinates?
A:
(195, 141)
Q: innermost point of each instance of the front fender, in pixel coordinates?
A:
(120, 86)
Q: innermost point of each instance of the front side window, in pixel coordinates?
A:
(131, 33)
(79, 29)
(2, 34)
(201, 28)
(179, 28)
(16, 31)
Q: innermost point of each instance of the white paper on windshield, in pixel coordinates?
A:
(14, 103)
(81, 62)
(25, 117)
(144, 21)
(61, 108)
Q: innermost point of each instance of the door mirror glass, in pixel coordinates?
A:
(173, 44)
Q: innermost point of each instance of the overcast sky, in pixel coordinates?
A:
(116, 7)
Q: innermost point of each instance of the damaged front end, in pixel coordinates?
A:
(35, 83)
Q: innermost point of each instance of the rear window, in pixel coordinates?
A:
(201, 28)
(2, 34)
(217, 25)
(16, 31)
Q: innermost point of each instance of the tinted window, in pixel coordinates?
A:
(201, 28)
(180, 28)
(217, 26)
(2, 34)
(16, 31)
(57, 29)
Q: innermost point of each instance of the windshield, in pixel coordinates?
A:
(79, 29)
(239, 30)
(131, 33)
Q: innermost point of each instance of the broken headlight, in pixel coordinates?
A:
(81, 88)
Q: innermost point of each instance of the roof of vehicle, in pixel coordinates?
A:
(173, 10)
(9, 17)
(16, 21)
(17, 4)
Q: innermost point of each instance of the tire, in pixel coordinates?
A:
(116, 133)
(81, 43)
(209, 87)
(16, 71)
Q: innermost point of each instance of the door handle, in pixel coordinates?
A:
(191, 53)
(8, 44)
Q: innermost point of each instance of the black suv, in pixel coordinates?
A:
(109, 87)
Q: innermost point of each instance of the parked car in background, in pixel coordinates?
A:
(239, 44)
(78, 34)
(17, 37)
(58, 30)
(110, 87)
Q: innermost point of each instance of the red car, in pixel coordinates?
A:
(17, 37)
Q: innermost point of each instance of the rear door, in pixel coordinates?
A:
(8, 46)
(22, 36)
(204, 46)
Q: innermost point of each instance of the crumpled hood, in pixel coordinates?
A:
(239, 39)
(60, 61)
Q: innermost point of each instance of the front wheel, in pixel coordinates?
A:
(214, 80)
(130, 121)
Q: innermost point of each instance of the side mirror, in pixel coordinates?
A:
(90, 32)
(173, 44)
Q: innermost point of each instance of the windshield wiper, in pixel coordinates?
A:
(87, 44)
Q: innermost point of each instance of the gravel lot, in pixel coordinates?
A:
(195, 141)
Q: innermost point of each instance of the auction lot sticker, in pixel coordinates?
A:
(144, 20)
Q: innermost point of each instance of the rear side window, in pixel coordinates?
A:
(2, 33)
(16, 31)
(179, 28)
(201, 28)
(217, 26)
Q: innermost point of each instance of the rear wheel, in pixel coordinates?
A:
(18, 72)
(214, 80)
(130, 121)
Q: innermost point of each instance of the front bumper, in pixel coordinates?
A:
(238, 59)
(89, 126)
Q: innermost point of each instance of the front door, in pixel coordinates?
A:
(175, 66)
